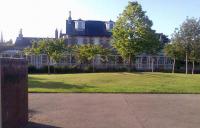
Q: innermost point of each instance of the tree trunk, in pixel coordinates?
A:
(174, 65)
(54, 67)
(186, 65)
(70, 59)
(48, 59)
(93, 65)
(130, 64)
(193, 66)
(106, 63)
(152, 65)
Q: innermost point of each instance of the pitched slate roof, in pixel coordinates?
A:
(92, 29)
(4, 48)
(23, 42)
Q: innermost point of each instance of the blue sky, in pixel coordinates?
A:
(40, 18)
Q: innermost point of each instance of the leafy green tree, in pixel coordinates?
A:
(45, 47)
(53, 48)
(152, 45)
(195, 41)
(188, 35)
(81, 53)
(59, 48)
(31, 50)
(105, 52)
(87, 53)
(173, 51)
(195, 54)
(132, 34)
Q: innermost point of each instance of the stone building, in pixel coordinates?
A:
(88, 32)
(80, 32)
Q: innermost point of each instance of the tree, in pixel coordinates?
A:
(195, 54)
(104, 54)
(87, 53)
(53, 48)
(152, 45)
(188, 35)
(195, 41)
(45, 47)
(59, 49)
(132, 34)
(31, 50)
(197, 57)
(173, 51)
(82, 53)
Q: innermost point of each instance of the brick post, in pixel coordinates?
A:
(13, 93)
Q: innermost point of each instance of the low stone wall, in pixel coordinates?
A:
(14, 93)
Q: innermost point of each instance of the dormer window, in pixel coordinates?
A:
(80, 25)
(109, 25)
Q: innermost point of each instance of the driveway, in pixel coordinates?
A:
(74, 110)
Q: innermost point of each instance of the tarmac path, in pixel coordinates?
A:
(83, 110)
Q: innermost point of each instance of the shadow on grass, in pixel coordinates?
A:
(37, 125)
(37, 83)
(157, 74)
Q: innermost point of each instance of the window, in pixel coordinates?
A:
(96, 41)
(85, 41)
(101, 41)
(80, 25)
(73, 41)
(109, 25)
(80, 40)
(91, 41)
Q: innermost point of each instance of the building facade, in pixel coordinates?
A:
(81, 32)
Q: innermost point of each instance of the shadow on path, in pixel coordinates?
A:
(37, 125)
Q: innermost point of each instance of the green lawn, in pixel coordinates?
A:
(116, 82)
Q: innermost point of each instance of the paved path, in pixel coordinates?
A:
(114, 111)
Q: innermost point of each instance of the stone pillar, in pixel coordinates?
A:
(13, 93)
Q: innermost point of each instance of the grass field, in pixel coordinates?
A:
(116, 83)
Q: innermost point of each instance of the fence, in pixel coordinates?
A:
(143, 62)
